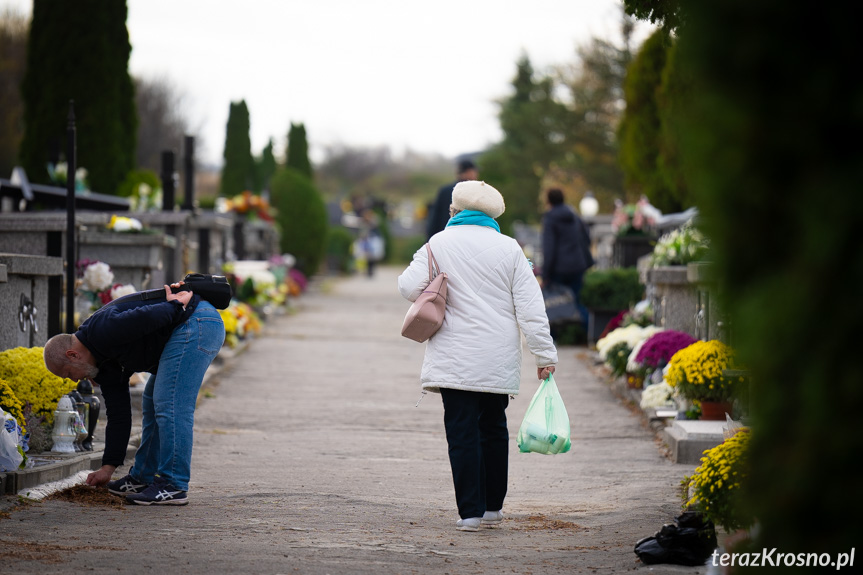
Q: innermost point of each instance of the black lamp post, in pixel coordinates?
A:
(70, 219)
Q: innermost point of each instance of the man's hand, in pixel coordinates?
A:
(544, 372)
(183, 297)
(101, 476)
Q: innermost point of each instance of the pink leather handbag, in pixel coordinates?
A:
(426, 314)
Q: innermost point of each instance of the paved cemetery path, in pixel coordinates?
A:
(310, 457)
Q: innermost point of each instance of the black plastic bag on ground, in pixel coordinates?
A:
(690, 542)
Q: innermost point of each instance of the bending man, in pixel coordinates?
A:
(175, 341)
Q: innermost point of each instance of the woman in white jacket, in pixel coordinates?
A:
(474, 360)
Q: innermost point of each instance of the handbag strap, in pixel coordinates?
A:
(431, 259)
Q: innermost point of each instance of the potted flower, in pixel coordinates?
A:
(633, 225)
(656, 351)
(97, 287)
(616, 347)
(30, 393)
(715, 487)
(679, 247)
(697, 371)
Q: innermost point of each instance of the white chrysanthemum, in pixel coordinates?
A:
(122, 290)
(630, 334)
(656, 395)
(98, 277)
(263, 279)
(631, 364)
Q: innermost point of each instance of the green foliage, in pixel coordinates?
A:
(531, 124)
(665, 13)
(404, 249)
(616, 358)
(80, 51)
(778, 188)
(13, 59)
(135, 178)
(339, 243)
(302, 216)
(640, 129)
(570, 333)
(614, 289)
(590, 160)
(265, 167)
(298, 151)
(559, 131)
(238, 171)
(246, 291)
(656, 90)
(674, 93)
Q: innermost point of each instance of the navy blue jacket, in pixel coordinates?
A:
(565, 244)
(124, 338)
(439, 215)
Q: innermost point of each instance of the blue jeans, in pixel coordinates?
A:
(478, 442)
(170, 397)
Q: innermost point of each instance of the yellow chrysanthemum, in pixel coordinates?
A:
(24, 370)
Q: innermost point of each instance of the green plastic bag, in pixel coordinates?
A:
(545, 428)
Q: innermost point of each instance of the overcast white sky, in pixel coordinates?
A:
(408, 74)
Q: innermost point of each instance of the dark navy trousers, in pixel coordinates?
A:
(478, 442)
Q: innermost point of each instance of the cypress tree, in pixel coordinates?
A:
(13, 56)
(778, 184)
(238, 171)
(298, 151)
(302, 216)
(531, 121)
(80, 51)
(265, 167)
(640, 131)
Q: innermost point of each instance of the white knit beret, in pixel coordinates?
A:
(479, 196)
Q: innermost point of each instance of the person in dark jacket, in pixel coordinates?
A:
(439, 214)
(565, 248)
(175, 341)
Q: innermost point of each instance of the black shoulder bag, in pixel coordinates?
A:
(214, 289)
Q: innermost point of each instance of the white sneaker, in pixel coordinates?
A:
(492, 518)
(470, 524)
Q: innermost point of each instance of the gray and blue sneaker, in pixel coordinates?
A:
(126, 486)
(159, 493)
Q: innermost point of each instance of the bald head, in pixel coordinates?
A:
(65, 356)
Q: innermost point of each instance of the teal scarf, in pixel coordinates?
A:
(473, 218)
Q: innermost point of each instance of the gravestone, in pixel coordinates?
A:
(24, 298)
(673, 298)
(212, 243)
(135, 258)
(687, 439)
(711, 322)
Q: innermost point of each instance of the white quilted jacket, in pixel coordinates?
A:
(492, 292)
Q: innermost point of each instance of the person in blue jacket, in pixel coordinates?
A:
(175, 340)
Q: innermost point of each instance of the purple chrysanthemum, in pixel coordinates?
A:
(658, 349)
